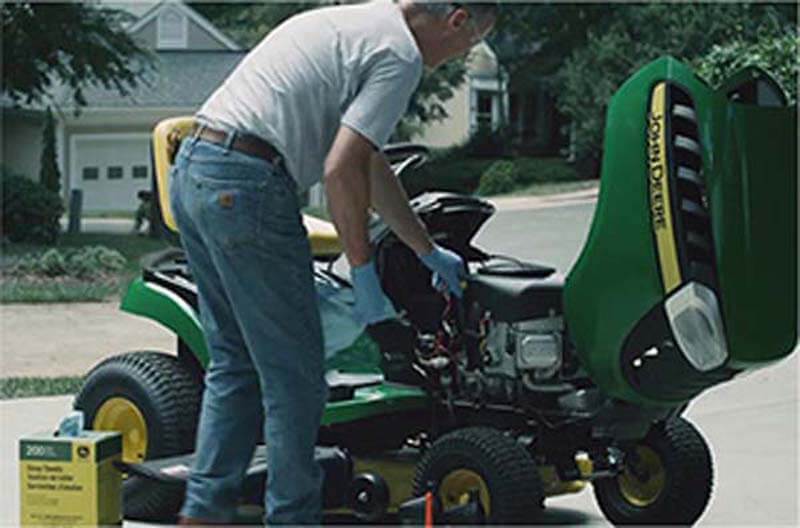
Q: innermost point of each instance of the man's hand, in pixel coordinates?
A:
(447, 267)
(372, 306)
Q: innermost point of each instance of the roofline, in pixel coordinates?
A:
(191, 13)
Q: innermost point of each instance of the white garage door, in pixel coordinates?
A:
(110, 169)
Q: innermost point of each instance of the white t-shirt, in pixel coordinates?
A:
(355, 65)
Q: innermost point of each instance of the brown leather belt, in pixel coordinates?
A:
(245, 143)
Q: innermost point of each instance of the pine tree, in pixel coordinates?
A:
(49, 174)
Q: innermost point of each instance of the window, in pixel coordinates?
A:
(139, 172)
(172, 29)
(114, 173)
(91, 173)
(484, 108)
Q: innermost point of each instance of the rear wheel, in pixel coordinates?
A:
(667, 479)
(153, 400)
(486, 461)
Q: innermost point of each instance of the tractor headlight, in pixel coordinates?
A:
(696, 322)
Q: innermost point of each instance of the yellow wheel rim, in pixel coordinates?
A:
(644, 490)
(122, 415)
(457, 485)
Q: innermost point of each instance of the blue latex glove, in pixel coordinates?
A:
(447, 267)
(371, 304)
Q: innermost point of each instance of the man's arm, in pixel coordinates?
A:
(347, 187)
(391, 201)
(355, 176)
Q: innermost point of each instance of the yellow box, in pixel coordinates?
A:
(68, 481)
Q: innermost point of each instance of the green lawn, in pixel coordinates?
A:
(29, 387)
(130, 215)
(132, 247)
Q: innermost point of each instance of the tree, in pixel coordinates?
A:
(248, 22)
(72, 44)
(638, 34)
(49, 174)
(776, 51)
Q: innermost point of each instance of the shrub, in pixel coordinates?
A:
(83, 263)
(539, 170)
(501, 177)
(31, 212)
(447, 172)
(487, 143)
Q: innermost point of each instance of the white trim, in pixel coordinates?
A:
(490, 85)
(180, 43)
(191, 13)
(486, 47)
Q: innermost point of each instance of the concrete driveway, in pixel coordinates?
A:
(750, 423)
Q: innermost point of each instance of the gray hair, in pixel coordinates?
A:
(481, 11)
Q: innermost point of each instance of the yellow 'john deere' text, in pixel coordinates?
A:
(659, 190)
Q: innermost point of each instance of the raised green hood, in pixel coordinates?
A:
(697, 206)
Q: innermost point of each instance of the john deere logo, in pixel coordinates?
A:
(83, 452)
(657, 168)
(659, 189)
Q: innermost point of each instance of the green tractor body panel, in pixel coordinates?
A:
(169, 309)
(156, 302)
(689, 273)
(377, 400)
(754, 206)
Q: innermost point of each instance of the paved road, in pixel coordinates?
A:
(751, 423)
(545, 235)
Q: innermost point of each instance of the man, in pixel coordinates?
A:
(317, 98)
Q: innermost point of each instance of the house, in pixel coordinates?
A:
(105, 151)
(489, 98)
(480, 101)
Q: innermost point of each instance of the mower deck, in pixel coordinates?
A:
(174, 471)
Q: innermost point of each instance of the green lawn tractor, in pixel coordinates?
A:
(535, 384)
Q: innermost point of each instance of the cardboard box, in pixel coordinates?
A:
(69, 481)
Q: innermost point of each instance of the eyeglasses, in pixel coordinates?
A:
(476, 32)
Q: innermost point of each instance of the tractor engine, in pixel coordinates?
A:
(515, 357)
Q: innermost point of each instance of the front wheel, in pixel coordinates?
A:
(489, 464)
(153, 400)
(667, 479)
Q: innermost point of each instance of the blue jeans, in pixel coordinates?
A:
(248, 250)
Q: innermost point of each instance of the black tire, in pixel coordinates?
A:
(506, 467)
(168, 397)
(687, 480)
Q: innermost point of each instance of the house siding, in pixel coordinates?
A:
(22, 144)
(452, 130)
(455, 129)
